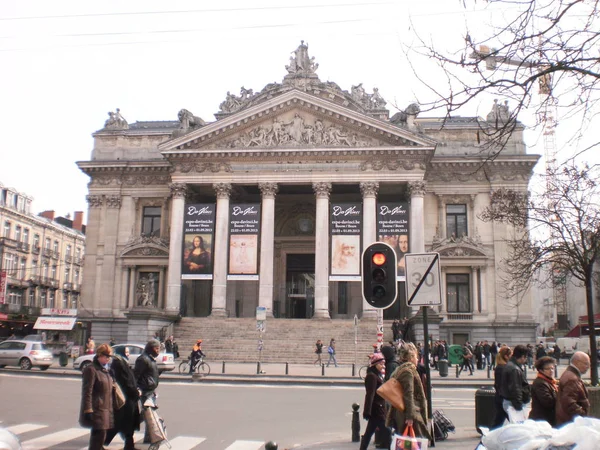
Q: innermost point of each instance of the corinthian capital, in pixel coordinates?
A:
(223, 190)
(417, 188)
(95, 201)
(268, 190)
(322, 189)
(369, 188)
(113, 201)
(178, 190)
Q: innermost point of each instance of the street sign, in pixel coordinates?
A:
(261, 313)
(423, 279)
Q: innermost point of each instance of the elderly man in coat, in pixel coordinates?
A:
(572, 398)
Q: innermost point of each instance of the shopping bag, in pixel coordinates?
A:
(408, 441)
(155, 425)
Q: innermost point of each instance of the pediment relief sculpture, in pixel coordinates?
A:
(458, 246)
(144, 245)
(392, 164)
(299, 131)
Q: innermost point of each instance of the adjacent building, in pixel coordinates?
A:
(270, 205)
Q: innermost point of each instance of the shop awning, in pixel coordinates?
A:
(55, 323)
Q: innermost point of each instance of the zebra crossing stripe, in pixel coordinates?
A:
(25, 428)
(245, 445)
(184, 442)
(117, 442)
(50, 440)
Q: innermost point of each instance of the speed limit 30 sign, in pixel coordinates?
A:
(423, 279)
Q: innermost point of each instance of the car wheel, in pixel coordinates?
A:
(25, 364)
(44, 367)
(84, 365)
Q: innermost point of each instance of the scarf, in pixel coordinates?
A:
(551, 381)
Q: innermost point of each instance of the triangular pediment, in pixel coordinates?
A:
(297, 119)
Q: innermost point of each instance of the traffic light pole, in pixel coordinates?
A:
(427, 366)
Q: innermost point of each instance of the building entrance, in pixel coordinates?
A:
(300, 285)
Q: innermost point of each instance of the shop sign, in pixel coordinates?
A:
(3, 316)
(58, 312)
(2, 286)
(55, 323)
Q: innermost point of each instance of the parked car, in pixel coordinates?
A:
(164, 361)
(25, 354)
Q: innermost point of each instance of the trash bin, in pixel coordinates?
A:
(485, 410)
(443, 367)
(455, 353)
(63, 359)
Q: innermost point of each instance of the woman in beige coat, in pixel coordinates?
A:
(415, 402)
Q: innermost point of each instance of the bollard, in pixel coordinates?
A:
(457, 371)
(488, 371)
(223, 369)
(258, 368)
(355, 423)
(323, 369)
(287, 371)
(271, 445)
(353, 370)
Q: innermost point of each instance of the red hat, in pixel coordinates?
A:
(376, 359)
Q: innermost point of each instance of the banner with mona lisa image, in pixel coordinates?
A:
(392, 228)
(346, 227)
(244, 229)
(198, 237)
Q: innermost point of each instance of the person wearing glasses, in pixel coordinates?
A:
(572, 398)
(97, 397)
(543, 391)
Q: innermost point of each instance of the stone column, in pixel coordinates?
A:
(444, 293)
(178, 191)
(219, 297)
(267, 243)
(322, 191)
(474, 289)
(417, 219)
(369, 193)
(441, 232)
(471, 215)
(161, 301)
(483, 293)
(91, 284)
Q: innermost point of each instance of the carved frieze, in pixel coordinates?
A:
(452, 177)
(223, 190)
(129, 179)
(95, 201)
(392, 164)
(369, 188)
(113, 201)
(200, 167)
(300, 131)
(144, 245)
(268, 190)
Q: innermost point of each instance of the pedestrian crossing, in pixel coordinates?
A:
(41, 437)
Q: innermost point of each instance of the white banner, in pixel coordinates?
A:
(55, 323)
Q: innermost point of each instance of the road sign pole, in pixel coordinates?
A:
(427, 366)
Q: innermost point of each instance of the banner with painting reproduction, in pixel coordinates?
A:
(244, 232)
(345, 227)
(198, 241)
(392, 228)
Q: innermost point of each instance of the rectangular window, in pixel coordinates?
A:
(76, 276)
(32, 296)
(68, 251)
(22, 269)
(7, 229)
(36, 240)
(53, 273)
(67, 274)
(18, 233)
(456, 221)
(48, 243)
(457, 288)
(55, 248)
(51, 299)
(151, 221)
(342, 297)
(26, 235)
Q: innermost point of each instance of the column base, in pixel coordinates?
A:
(321, 314)
(220, 313)
(369, 314)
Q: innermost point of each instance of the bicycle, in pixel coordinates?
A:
(201, 367)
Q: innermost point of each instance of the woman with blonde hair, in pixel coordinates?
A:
(502, 358)
(415, 403)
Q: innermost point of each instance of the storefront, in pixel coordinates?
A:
(59, 329)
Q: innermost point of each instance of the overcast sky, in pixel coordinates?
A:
(67, 63)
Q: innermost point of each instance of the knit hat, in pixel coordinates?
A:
(376, 359)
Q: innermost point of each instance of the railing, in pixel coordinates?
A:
(35, 249)
(68, 286)
(460, 316)
(23, 246)
(68, 258)
(78, 260)
(76, 287)
(13, 243)
(55, 255)
(48, 252)
(16, 281)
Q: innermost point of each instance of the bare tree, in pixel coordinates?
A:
(547, 47)
(557, 235)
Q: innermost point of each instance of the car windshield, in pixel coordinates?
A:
(39, 347)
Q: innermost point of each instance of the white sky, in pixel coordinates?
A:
(65, 64)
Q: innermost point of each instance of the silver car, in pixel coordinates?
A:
(165, 361)
(25, 354)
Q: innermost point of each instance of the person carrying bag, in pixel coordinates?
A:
(408, 441)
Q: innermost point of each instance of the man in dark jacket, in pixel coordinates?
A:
(389, 353)
(572, 398)
(146, 370)
(514, 389)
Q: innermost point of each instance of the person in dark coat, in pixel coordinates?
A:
(543, 391)
(146, 371)
(514, 388)
(97, 398)
(572, 398)
(391, 364)
(556, 353)
(127, 419)
(374, 407)
(502, 359)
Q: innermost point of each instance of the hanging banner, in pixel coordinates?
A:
(346, 227)
(2, 286)
(392, 228)
(244, 230)
(198, 237)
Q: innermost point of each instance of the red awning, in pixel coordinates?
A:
(575, 332)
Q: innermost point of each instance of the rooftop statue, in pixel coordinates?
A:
(188, 120)
(301, 63)
(116, 121)
(499, 113)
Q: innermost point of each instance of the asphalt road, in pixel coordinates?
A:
(219, 414)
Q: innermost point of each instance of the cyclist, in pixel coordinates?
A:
(196, 355)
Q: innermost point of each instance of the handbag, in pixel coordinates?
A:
(392, 392)
(408, 441)
(118, 396)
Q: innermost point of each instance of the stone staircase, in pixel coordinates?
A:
(285, 340)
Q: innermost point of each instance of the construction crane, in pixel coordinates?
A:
(547, 117)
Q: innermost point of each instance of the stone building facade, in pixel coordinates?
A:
(293, 153)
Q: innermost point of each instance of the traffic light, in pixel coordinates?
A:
(379, 267)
